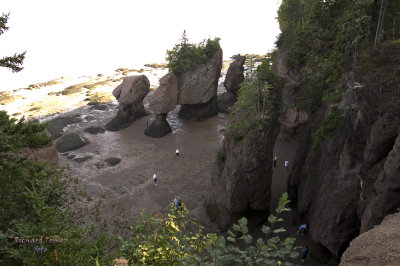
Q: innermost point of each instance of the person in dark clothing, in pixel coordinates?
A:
(304, 254)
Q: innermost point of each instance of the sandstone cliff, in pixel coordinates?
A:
(351, 181)
(379, 246)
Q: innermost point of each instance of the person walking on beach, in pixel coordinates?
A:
(286, 165)
(302, 229)
(177, 153)
(304, 253)
(275, 159)
(155, 179)
(178, 203)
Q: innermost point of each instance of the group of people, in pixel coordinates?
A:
(304, 252)
(302, 228)
(177, 201)
(286, 163)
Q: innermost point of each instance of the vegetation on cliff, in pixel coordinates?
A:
(258, 103)
(187, 56)
(323, 40)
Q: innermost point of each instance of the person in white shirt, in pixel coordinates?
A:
(286, 165)
(155, 179)
(275, 159)
(177, 153)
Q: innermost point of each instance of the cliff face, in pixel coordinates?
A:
(242, 173)
(242, 176)
(379, 246)
(352, 180)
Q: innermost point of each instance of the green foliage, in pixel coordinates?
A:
(258, 103)
(38, 201)
(327, 128)
(177, 239)
(12, 62)
(187, 56)
(321, 40)
(332, 96)
(174, 239)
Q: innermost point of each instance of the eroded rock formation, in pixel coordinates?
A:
(197, 89)
(162, 101)
(351, 181)
(234, 77)
(130, 94)
(159, 127)
(242, 176)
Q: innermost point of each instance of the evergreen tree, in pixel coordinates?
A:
(12, 62)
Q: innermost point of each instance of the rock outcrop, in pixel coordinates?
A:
(200, 111)
(130, 94)
(387, 187)
(165, 97)
(379, 246)
(242, 174)
(197, 93)
(226, 101)
(161, 102)
(292, 119)
(351, 181)
(234, 77)
(159, 127)
(71, 141)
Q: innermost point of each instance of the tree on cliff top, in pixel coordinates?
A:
(12, 62)
(187, 56)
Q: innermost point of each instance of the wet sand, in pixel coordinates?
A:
(128, 186)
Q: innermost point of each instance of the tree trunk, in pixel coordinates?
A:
(381, 21)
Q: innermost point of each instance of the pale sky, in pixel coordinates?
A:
(86, 37)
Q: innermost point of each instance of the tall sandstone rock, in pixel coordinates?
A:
(234, 77)
(241, 178)
(197, 89)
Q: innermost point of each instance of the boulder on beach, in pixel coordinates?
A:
(94, 130)
(159, 127)
(199, 87)
(165, 97)
(71, 141)
(234, 75)
(130, 94)
(113, 161)
(56, 126)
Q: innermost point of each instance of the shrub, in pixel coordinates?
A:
(258, 103)
(186, 56)
(327, 128)
(177, 239)
(37, 200)
(332, 96)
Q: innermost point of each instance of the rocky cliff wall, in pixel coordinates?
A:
(379, 246)
(352, 180)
